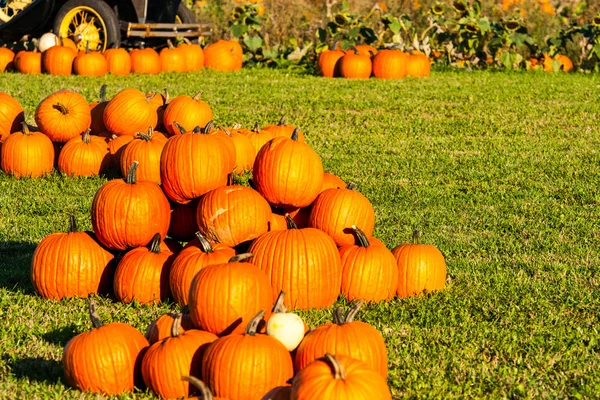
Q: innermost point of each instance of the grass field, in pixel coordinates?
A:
(501, 172)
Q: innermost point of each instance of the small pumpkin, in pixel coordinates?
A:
(245, 153)
(258, 137)
(328, 62)
(366, 50)
(284, 326)
(83, 155)
(11, 115)
(281, 129)
(161, 327)
(130, 111)
(90, 63)
(223, 55)
(145, 61)
(418, 65)
(147, 149)
(118, 61)
(47, 40)
(355, 65)
(172, 59)
(7, 58)
(27, 154)
(390, 64)
(29, 62)
(188, 112)
(193, 55)
(58, 60)
(331, 181)
(63, 115)
(116, 146)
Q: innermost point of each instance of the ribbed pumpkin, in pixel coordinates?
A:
(127, 213)
(29, 62)
(228, 145)
(369, 270)
(97, 112)
(83, 155)
(421, 267)
(145, 61)
(204, 392)
(331, 181)
(289, 174)
(354, 65)
(335, 211)
(560, 60)
(145, 148)
(11, 115)
(183, 223)
(195, 256)
(66, 265)
(258, 137)
(224, 55)
(118, 61)
(188, 112)
(7, 57)
(245, 153)
(130, 111)
(172, 59)
(281, 129)
(116, 146)
(165, 362)
(260, 361)
(341, 378)
(193, 55)
(66, 42)
(63, 115)
(366, 50)
(106, 359)
(390, 64)
(27, 154)
(58, 60)
(233, 215)
(223, 298)
(304, 263)
(162, 326)
(418, 65)
(143, 274)
(344, 337)
(193, 164)
(328, 62)
(90, 63)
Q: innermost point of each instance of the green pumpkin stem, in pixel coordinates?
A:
(61, 107)
(279, 307)
(290, 222)
(416, 236)
(240, 257)
(205, 393)
(253, 324)
(361, 238)
(85, 138)
(103, 93)
(338, 317)
(336, 367)
(155, 244)
(180, 128)
(146, 136)
(295, 134)
(96, 321)
(176, 327)
(198, 95)
(132, 173)
(351, 186)
(281, 121)
(205, 245)
(72, 224)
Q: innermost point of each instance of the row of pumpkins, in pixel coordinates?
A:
(60, 56)
(364, 61)
(297, 230)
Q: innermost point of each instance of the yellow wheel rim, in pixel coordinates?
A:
(84, 26)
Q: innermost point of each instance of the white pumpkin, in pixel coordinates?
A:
(47, 40)
(286, 327)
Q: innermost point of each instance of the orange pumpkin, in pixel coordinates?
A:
(116, 146)
(224, 55)
(354, 65)
(118, 61)
(97, 112)
(328, 62)
(145, 61)
(145, 148)
(245, 153)
(560, 60)
(29, 62)
(129, 112)
(258, 137)
(172, 59)
(11, 115)
(58, 60)
(162, 326)
(331, 181)
(418, 65)
(188, 112)
(193, 55)
(281, 129)
(90, 63)
(366, 50)
(83, 155)
(63, 115)
(390, 64)
(27, 154)
(7, 57)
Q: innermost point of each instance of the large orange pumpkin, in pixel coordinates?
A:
(63, 115)
(29, 154)
(328, 62)
(172, 59)
(11, 115)
(188, 112)
(129, 112)
(147, 149)
(118, 61)
(390, 64)
(127, 213)
(90, 63)
(421, 267)
(29, 62)
(83, 155)
(193, 55)
(66, 265)
(145, 61)
(355, 65)
(58, 60)
(224, 55)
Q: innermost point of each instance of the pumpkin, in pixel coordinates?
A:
(194, 257)
(193, 164)
(97, 112)
(83, 155)
(559, 62)
(90, 63)
(421, 267)
(418, 65)
(145, 61)
(281, 129)
(193, 55)
(354, 65)
(183, 223)
(161, 327)
(116, 146)
(304, 263)
(330, 181)
(369, 271)
(63, 115)
(245, 153)
(366, 50)
(47, 40)
(145, 148)
(58, 60)
(205, 393)
(127, 213)
(143, 274)
(65, 41)
(341, 378)
(179, 355)
(130, 111)
(328, 62)
(279, 219)
(390, 64)
(279, 393)
(335, 210)
(172, 59)
(260, 361)
(118, 61)
(233, 215)
(29, 62)
(11, 115)
(286, 327)
(223, 298)
(25, 153)
(344, 337)
(66, 265)
(188, 112)
(7, 57)
(228, 145)
(258, 137)
(106, 359)
(224, 55)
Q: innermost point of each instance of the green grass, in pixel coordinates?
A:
(500, 171)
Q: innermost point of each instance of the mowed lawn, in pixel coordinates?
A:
(501, 171)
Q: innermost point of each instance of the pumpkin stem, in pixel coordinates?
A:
(205, 245)
(295, 134)
(361, 238)
(416, 236)
(227, 131)
(253, 325)
(187, 41)
(279, 307)
(180, 128)
(167, 98)
(205, 393)
(207, 128)
(240, 257)
(256, 128)
(25, 128)
(170, 44)
(86, 136)
(96, 321)
(336, 366)
(198, 95)
(72, 224)
(61, 107)
(281, 121)
(338, 316)
(231, 179)
(351, 186)
(291, 224)
(87, 47)
(176, 327)
(353, 311)
(236, 126)
(146, 136)
(132, 173)
(150, 96)
(155, 244)
(103, 93)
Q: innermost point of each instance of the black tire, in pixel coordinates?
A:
(185, 14)
(113, 31)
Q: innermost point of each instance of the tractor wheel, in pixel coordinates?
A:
(184, 15)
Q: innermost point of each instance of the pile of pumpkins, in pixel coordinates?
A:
(364, 61)
(296, 237)
(60, 56)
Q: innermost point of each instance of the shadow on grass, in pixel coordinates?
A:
(61, 336)
(37, 369)
(15, 262)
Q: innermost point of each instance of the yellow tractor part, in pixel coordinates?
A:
(84, 26)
